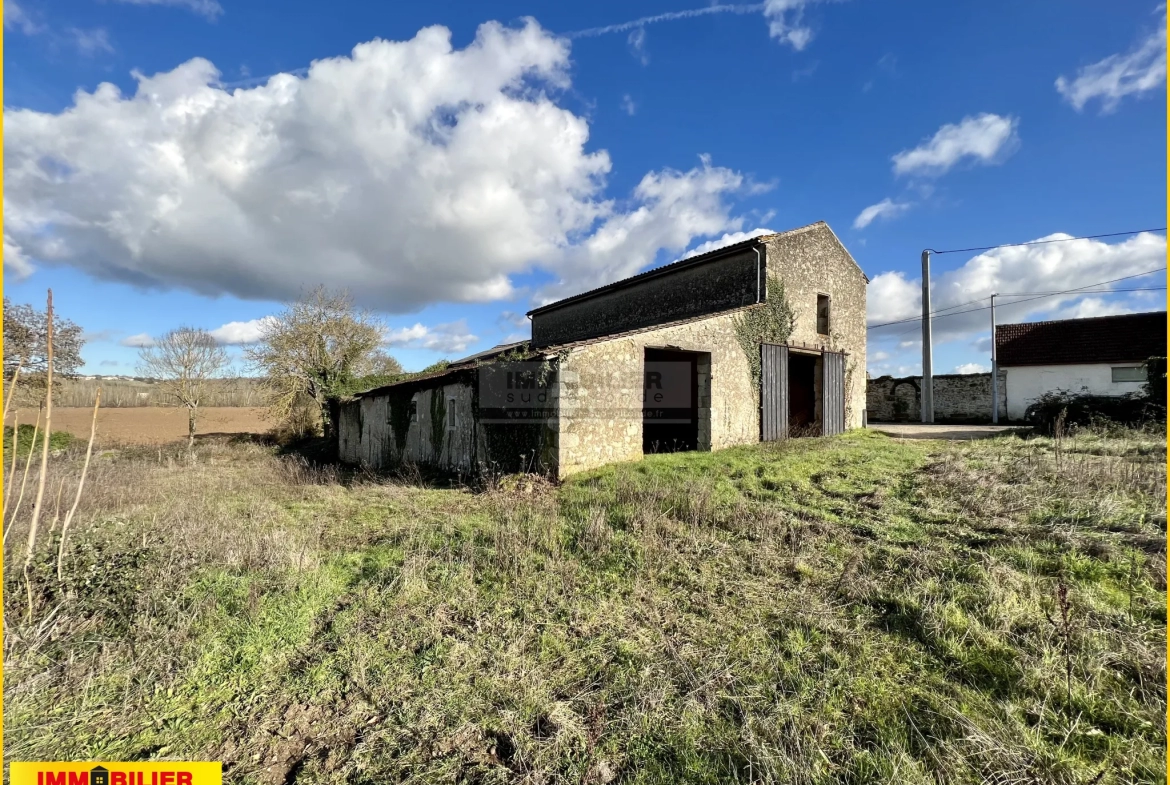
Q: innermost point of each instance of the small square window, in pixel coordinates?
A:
(822, 314)
(1134, 373)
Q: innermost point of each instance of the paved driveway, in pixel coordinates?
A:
(917, 430)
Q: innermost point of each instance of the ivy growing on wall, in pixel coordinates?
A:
(835, 344)
(770, 322)
(438, 421)
(400, 403)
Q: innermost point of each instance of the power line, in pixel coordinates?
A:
(1092, 291)
(1020, 294)
(1045, 242)
(1030, 299)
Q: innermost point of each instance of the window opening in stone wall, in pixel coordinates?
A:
(822, 314)
(1134, 373)
(450, 414)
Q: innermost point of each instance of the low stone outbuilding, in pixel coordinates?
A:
(1101, 355)
(652, 363)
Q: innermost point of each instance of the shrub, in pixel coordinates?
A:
(1155, 387)
(1082, 409)
(58, 441)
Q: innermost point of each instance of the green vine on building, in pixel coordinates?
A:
(438, 421)
(772, 321)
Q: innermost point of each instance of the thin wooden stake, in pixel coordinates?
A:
(24, 479)
(81, 484)
(36, 513)
(10, 389)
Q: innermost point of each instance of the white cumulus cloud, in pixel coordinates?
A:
(409, 172)
(886, 208)
(450, 337)
(1140, 70)
(985, 139)
(730, 238)
(971, 368)
(1097, 306)
(674, 208)
(1024, 270)
(16, 264)
(241, 333)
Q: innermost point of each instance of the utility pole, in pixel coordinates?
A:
(927, 363)
(994, 369)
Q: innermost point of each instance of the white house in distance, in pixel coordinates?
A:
(1100, 356)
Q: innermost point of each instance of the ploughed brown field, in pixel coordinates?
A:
(150, 424)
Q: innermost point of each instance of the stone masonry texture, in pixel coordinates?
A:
(812, 261)
(597, 391)
(958, 398)
(599, 386)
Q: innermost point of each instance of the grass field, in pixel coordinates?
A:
(854, 609)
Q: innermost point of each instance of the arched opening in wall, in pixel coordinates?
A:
(675, 413)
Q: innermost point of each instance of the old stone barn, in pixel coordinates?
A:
(660, 362)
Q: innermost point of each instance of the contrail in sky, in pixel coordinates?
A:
(667, 17)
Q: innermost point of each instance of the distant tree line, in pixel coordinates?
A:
(317, 351)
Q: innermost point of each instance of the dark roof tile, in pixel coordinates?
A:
(1125, 338)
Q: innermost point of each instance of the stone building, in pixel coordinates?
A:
(652, 363)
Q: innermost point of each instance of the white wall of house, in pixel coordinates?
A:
(1027, 383)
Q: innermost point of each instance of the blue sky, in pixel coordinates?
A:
(468, 161)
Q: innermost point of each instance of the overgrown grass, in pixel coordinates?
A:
(855, 609)
(60, 440)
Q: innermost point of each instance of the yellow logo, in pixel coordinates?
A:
(106, 773)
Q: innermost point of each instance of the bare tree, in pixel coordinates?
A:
(186, 362)
(26, 347)
(314, 350)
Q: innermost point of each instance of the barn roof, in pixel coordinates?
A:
(1133, 337)
(690, 261)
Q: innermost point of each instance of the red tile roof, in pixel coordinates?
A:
(1126, 338)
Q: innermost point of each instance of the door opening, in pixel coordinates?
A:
(670, 401)
(803, 419)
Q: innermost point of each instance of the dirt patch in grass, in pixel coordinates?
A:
(150, 425)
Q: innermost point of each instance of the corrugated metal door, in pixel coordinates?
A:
(773, 392)
(833, 403)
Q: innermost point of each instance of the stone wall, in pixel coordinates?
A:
(957, 398)
(599, 389)
(600, 385)
(812, 261)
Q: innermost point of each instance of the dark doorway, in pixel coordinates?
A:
(802, 395)
(670, 401)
